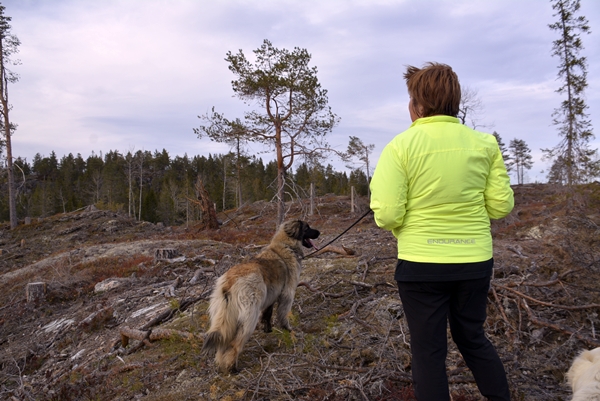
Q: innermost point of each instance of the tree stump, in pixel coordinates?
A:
(35, 291)
(165, 254)
(209, 215)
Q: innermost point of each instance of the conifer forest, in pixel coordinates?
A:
(155, 187)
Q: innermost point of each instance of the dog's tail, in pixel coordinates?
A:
(224, 313)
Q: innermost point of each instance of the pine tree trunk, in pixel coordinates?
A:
(280, 174)
(12, 204)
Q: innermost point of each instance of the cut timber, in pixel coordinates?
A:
(35, 291)
(165, 254)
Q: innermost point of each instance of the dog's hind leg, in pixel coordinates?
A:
(266, 319)
(221, 360)
(245, 328)
(248, 301)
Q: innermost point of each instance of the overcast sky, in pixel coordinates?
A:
(135, 74)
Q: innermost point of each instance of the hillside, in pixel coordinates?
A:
(104, 289)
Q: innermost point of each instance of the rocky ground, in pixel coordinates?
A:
(116, 323)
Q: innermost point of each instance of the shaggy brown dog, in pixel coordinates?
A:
(584, 376)
(249, 289)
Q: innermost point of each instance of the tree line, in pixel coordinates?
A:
(155, 187)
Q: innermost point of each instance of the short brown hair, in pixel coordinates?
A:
(435, 88)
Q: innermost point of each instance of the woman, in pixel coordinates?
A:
(436, 187)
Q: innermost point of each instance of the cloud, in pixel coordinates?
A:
(121, 73)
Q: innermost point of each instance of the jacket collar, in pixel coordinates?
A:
(435, 119)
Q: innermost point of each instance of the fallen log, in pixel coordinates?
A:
(168, 314)
(152, 335)
(336, 249)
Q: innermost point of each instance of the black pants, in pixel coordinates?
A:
(428, 306)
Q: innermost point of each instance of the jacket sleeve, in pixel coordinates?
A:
(389, 189)
(499, 198)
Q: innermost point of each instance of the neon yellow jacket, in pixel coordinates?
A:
(436, 187)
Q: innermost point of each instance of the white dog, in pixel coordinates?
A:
(584, 376)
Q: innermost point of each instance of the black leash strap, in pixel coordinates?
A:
(343, 232)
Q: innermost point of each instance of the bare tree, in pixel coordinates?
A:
(129, 165)
(471, 108)
(295, 114)
(9, 45)
(140, 156)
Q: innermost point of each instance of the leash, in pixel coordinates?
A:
(343, 232)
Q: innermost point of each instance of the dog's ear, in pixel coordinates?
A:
(295, 229)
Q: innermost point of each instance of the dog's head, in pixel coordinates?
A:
(301, 231)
